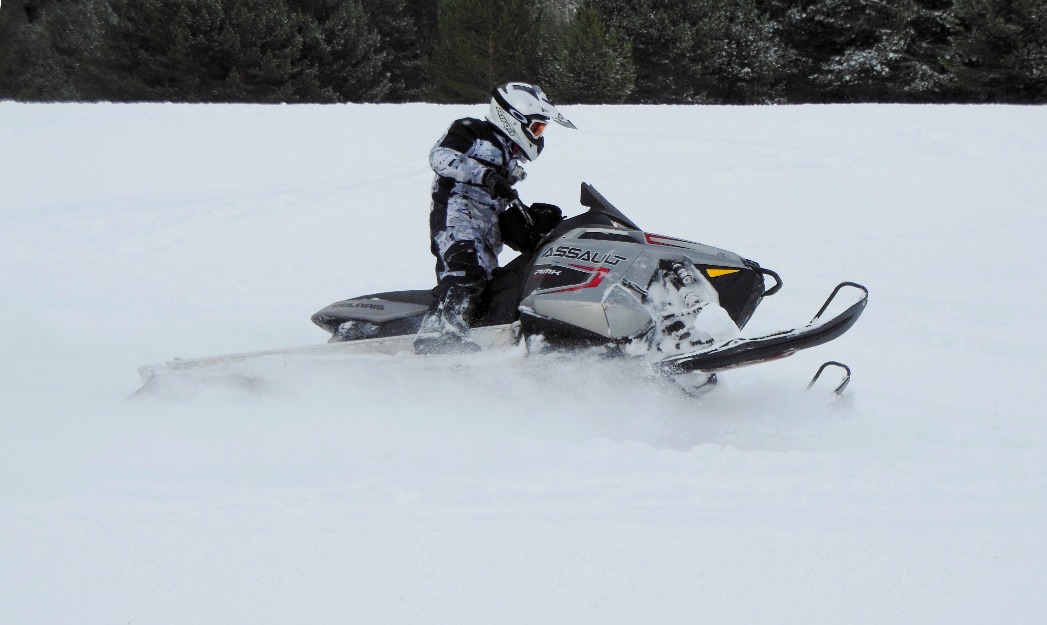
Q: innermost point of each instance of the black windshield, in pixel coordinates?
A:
(601, 214)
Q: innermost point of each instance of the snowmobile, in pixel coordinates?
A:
(597, 281)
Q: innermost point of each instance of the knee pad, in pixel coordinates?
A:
(461, 268)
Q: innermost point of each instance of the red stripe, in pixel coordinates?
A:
(593, 282)
(658, 239)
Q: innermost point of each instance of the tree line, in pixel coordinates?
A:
(580, 51)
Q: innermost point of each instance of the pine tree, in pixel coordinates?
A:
(404, 48)
(50, 50)
(343, 52)
(199, 51)
(11, 19)
(884, 52)
(665, 42)
(424, 15)
(593, 64)
(253, 51)
(253, 54)
(480, 44)
(999, 51)
(740, 59)
(700, 50)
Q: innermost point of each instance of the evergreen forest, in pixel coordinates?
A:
(579, 51)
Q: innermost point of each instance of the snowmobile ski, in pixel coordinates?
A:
(742, 352)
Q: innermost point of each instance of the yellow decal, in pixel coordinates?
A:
(716, 273)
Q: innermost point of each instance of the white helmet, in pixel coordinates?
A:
(522, 112)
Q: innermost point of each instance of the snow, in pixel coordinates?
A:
(505, 489)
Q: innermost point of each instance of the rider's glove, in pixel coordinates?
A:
(544, 217)
(498, 184)
(523, 227)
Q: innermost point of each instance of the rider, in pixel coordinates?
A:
(475, 208)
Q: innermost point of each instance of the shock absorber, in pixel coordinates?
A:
(686, 280)
(681, 272)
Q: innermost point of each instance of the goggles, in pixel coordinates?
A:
(537, 127)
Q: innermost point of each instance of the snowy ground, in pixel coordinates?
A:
(503, 489)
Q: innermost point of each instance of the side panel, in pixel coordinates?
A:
(576, 282)
(398, 312)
